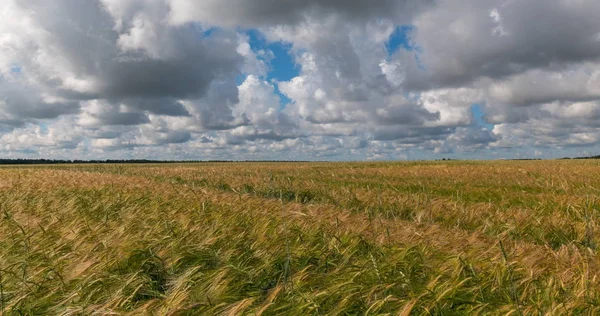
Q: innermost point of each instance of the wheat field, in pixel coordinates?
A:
(393, 238)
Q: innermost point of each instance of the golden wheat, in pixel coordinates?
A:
(414, 238)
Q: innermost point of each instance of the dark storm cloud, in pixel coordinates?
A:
(160, 106)
(258, 13)
(187, 74)
(23, 103)
(408, 115)
(120, 118)
(172, 137)
(461, 41)
(150, 65)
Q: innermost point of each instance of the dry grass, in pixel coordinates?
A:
(313, 238)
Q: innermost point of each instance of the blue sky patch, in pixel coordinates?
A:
(478, 117)
(282, 66)
(240, 78)
(208, 32)
(400, 39)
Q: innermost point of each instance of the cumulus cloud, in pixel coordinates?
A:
(91, 51)
(184, 79)
(343, 87)
(258, 13)
(462, 41)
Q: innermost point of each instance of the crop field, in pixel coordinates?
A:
(402, 238)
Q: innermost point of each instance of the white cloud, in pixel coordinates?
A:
(183, 78)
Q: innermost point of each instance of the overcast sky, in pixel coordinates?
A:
(309, 80)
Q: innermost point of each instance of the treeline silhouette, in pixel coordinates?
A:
(60, 161)
(589, 157)
(150, 161)
(117, 161)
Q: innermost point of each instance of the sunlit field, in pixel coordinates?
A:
(408, 238)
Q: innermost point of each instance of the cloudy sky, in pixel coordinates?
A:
(309, 80)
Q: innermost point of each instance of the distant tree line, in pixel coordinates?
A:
(150, 161)
(61, 161)
(590, 157)
(116, 161)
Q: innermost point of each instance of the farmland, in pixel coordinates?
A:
(401, 238)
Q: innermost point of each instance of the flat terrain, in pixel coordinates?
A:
(410, 238)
